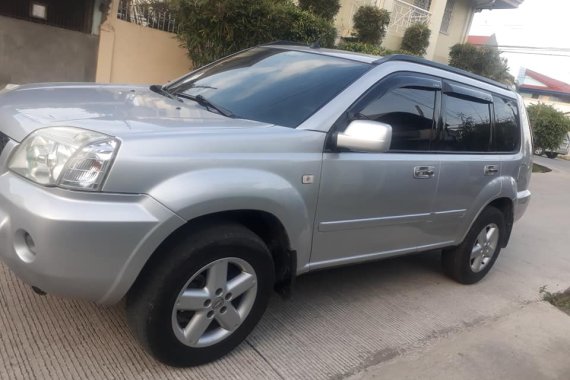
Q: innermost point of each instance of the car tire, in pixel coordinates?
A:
(172, 300)
(474, 257)
(551, 155)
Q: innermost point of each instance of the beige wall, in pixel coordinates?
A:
(129, 53)
(458, 28)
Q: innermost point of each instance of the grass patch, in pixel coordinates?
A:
(536, 168)
(560, 300)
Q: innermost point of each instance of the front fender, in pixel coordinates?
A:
(208, 191)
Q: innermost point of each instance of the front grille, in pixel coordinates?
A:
(3, 141)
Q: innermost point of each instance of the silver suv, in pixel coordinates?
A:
(196, 199)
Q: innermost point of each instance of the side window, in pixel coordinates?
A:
(466, 124)
(410, 112)
(507, 132)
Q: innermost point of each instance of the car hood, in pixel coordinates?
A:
(117, 110)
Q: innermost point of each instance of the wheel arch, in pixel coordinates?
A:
(506, 206)
(264, 224)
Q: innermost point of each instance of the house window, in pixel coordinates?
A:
(39, 11)
(447, 15)
(424, 4)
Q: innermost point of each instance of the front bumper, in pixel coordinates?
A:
(86, 245)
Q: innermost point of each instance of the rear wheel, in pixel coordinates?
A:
(203, 297)
(472, 260)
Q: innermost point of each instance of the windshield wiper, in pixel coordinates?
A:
(208, 104)
(160, 90)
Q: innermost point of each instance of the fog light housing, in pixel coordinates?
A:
(25, 246)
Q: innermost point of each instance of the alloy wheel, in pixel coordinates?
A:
(214, 302)
(484, 247)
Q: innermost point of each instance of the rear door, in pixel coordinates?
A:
(470, 170)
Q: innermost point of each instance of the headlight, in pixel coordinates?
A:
(67, 157)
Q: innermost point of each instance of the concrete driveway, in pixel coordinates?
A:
(339, 322)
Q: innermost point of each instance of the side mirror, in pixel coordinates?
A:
(366, 136)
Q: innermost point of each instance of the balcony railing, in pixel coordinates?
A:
(149, 13)
(406, 14)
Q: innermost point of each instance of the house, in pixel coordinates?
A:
(536, 88)
(490, 41)
(46, 39)
(449, 20)
(108, 41)
(134, 41)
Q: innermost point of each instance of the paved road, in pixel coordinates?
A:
(338, 323)
(555, 164)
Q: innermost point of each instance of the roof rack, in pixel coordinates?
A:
(425, 62)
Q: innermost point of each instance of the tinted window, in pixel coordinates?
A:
(410, 113)
(507, 130)
(272, 85)
(467, 124)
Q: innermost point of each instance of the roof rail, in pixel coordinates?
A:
(425, 62)
(284, 42)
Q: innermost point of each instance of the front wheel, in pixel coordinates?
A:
(551, 155)
(472, 260)
(203, 296)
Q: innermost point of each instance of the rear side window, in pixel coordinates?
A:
(466, 124)
(507, 129)
(410, 112)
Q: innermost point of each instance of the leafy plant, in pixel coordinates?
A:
(561, 299)
(366, 48)
(294, 24)
(362, 47)
(326, 9)
(416, 39)
(549, 126)
(211, 29)
(370, 24)
(482, 60)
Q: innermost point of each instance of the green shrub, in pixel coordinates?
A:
(370, 24)
(482, 60)
(326, 9)
(549, 126)
(211, 29)
(361, 47)
(291, 23)
(372, 49)
(416, 39)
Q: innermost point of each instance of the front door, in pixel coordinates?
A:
(379, 204)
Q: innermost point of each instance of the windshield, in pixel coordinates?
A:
(271, 85)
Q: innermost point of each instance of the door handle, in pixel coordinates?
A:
(424, 171)
(491, 169)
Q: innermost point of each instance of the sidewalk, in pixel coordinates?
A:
(531, 343)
